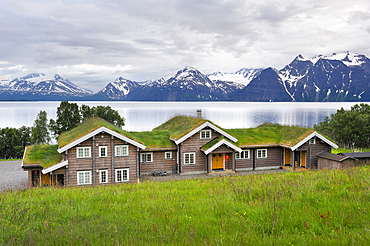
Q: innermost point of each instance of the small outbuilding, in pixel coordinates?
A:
(327, 160)
(363, 158)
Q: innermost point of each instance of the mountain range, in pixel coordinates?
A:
(339, 77)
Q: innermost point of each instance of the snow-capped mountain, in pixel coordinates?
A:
(118, 89)
(340, 77)
(243, 76)
(42, 84)
(187, 84)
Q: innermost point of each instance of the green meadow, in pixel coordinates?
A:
(301, 208)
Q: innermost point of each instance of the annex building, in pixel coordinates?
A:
(97, 152)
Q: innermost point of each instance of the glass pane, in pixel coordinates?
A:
(191, 158)
(86, 152)
(87, 178)
(80, 153)
(149, 158)
(124, 150)
(119, 175)
(186, 158)
(124, 175)
(80, 178)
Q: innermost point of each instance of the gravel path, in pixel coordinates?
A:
(12, 176)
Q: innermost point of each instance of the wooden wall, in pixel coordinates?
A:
(159, 162)
(86, 164)
(316, 148)
(193, 144)
(274, 158)
(325, 164)
(244, 163)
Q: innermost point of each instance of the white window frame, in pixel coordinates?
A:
(86, 179)
(241, 155)
(168, 155)
(106, 151)
(204, 133)
(116, 150)
(83, 152)
(259, 153)
(145, 159)
(189, 154)
(117, 177)
(312, 141)
(101, 175)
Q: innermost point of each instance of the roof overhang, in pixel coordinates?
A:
(314, 134)
(204, 125)
(218, 144)
(55, 167)
(97, 131)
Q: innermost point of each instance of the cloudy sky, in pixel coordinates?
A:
(93, 42)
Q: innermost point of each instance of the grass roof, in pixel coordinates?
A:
(215, 141)
(179, 126)
(88, 126)
(45, 155)
(268, 133)
(155, 139)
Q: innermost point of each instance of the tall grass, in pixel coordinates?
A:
(306, 208)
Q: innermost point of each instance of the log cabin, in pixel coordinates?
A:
(98, 152)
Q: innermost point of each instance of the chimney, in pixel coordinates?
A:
(199, 113)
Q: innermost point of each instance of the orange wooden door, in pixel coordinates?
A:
(287, 156)
(217, 161)
(303, 159)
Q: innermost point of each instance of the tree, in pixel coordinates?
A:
(40, 133)
(68, 116)
(104, 112)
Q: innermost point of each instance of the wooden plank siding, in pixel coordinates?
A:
(326, 164)
(101, 163)
(193, 144)
(160, 163)
(244, 164)
(316, 148)
(274, 158)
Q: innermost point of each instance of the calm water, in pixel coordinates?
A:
(142, 116)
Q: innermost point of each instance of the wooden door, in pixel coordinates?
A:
(303, 158)
(288, 159)
(217, 161)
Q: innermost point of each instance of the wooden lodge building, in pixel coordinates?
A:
(97, 152)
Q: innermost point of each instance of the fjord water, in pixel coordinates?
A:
(142, 116)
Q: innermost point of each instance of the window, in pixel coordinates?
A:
(103, 151)
(83, 152)
(311, 141)
(121, 150)
(205, 134)
(122, 175)
(83, 177)
(168, 155)
(146, 157)
(262, 153)
(103, 176)
(189, 158)
(242, 155)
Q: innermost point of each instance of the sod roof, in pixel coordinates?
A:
(270, 134)
(88, 126)
(45, 155)
(179, 126)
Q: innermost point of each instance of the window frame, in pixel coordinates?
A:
(189, 153)
(106, 176)
(170, 155)
(243, 155)
(84, 178)
(122, 146)
(209, 132)
(145, 161)
(83, 152)
(122, 169)
(261, 150)
(312, 141)
(106, 151)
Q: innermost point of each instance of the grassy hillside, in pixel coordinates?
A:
(306, 208)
